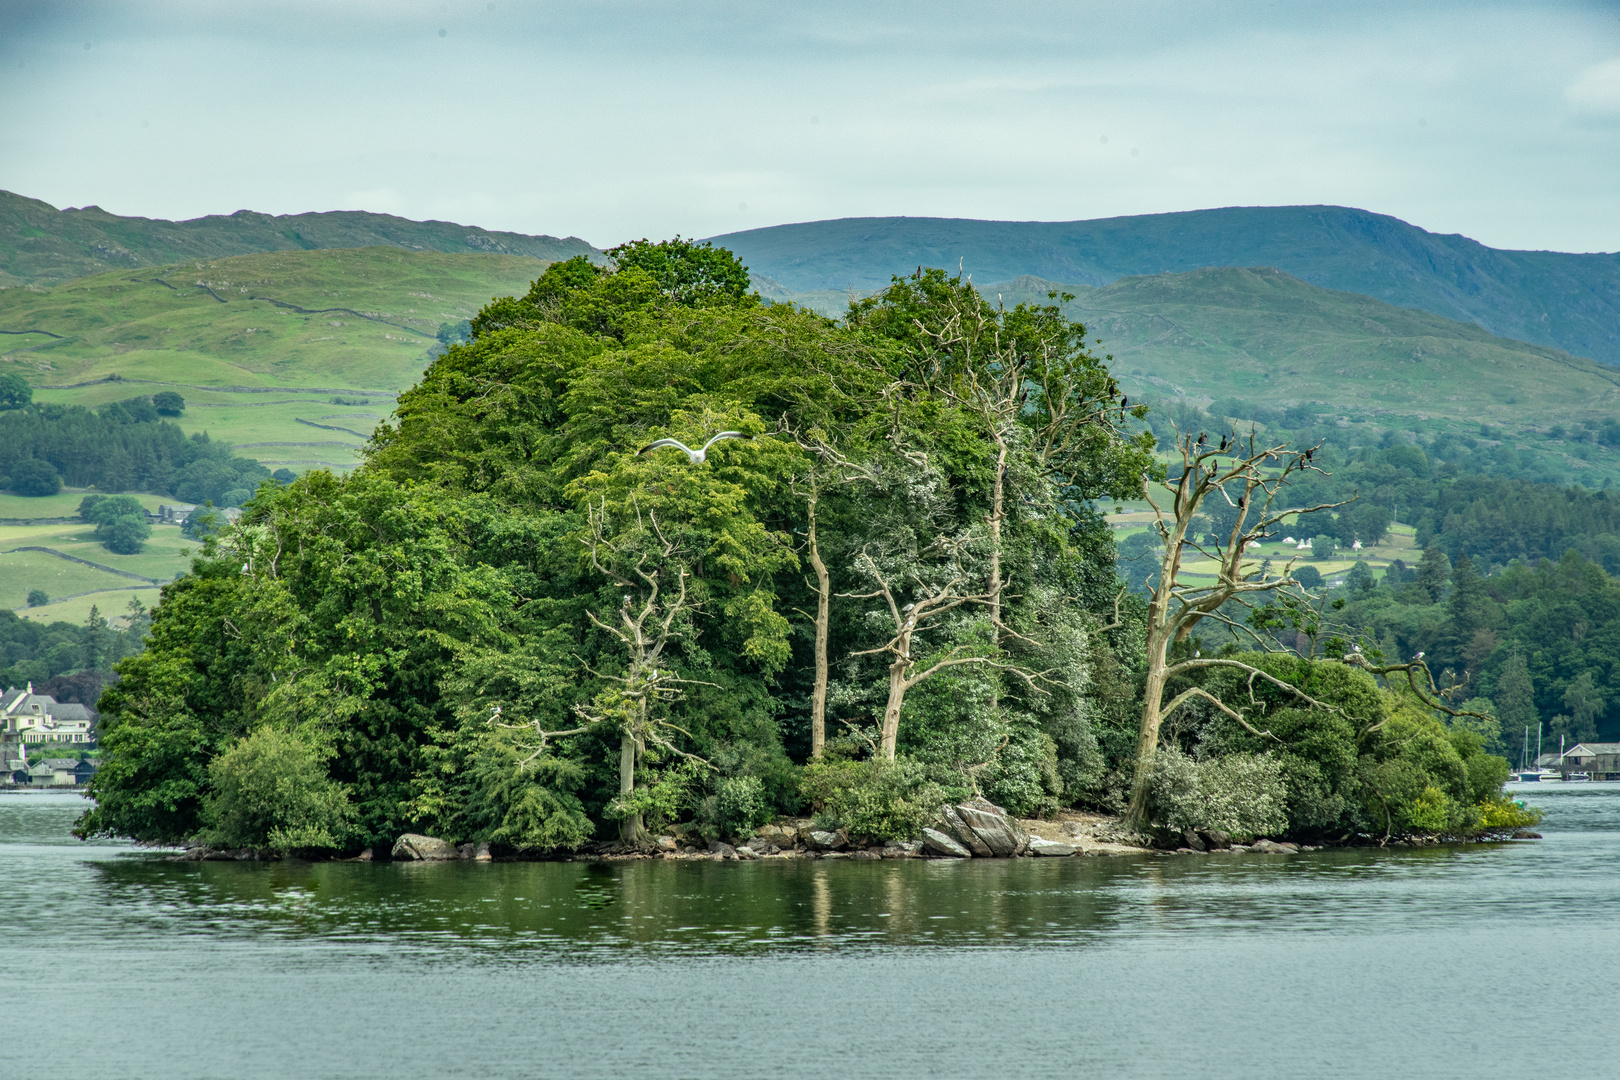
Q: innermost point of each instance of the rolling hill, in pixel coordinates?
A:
(292, 356)
(1270, 339)
(1562, 301)
(40, 244)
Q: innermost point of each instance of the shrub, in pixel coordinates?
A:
(1240, 794)
(741, 805)
(270, 792)
(875, 799)
(169, 403)
(35, 478)
(38, 597)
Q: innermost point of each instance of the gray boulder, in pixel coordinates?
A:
(1274, 847)
(483, 854)
(780, 836)
(1003, 836)
(416, 847)
(938, 843)
(725, 851)
(1192, 840)
(953, 825)
(903, 849)
(1216, 840)
(1054, 848)
(823, 840)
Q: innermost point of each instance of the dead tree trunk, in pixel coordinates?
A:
(1257, 477)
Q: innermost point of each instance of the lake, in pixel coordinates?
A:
(1469, 961)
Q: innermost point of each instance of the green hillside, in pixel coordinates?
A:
(1267, 338)
(1563, 301)
(293, 356)
(40, 244)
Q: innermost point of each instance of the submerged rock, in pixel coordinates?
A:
(1274, 847)
(415, 846)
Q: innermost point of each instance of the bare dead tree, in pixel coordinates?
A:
(1250, 479)
(654, 614)
(932, 602)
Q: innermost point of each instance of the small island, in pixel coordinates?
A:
(650, 566)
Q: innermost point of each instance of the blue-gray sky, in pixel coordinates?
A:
(616, 119)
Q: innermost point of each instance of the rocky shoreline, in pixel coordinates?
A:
(976, 829)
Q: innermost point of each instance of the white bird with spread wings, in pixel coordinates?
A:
(696, 457)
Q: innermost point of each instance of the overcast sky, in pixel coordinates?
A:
(612, 120)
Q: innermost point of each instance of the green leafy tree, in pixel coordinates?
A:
(168, 403)
(121, 522)
(1515, 700)
(35, 478)
(38, 597)
(270, 791)
(15, 393)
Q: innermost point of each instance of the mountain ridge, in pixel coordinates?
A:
(43, 245)
(1560, 300)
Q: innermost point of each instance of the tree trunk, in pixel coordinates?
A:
(898, 687)
(818, 699)
(997, 513)
(630, 828)
(1147, 740)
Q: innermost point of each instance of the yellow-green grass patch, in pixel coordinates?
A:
(113, 606)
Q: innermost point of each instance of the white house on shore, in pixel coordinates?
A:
(27, 717)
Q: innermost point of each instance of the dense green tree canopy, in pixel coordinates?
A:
(519, 624)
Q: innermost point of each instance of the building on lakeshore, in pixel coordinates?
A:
(1599, 760)
(30, 718)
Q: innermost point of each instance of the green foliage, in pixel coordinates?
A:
(168, 403)
(119, 447)
(876, 799)
(687, 271)
(15, 393)
(121, 521)
(467, 616)
(1242, 795)
(270, 791)
(37, 597)
(741, 805)
(35, 478)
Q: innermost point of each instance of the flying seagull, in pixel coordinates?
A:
(696, 457)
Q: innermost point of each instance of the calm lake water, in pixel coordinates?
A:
(1451, 962)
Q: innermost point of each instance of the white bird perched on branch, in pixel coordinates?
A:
(696, 457)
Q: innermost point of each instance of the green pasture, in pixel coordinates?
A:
(112, 605)
(211, 332)
(165, 555)
(64, 503)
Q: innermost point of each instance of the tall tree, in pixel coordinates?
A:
(1252, 478)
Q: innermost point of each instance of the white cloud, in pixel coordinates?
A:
(1597, 89)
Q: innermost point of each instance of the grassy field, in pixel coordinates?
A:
(63, 504)
(227, 335)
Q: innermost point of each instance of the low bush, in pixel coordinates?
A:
(1240, 794)
(876, 799)
(270, 792)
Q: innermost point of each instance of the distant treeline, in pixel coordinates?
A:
(1480, 495)
(122, 446)
(69, 661)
